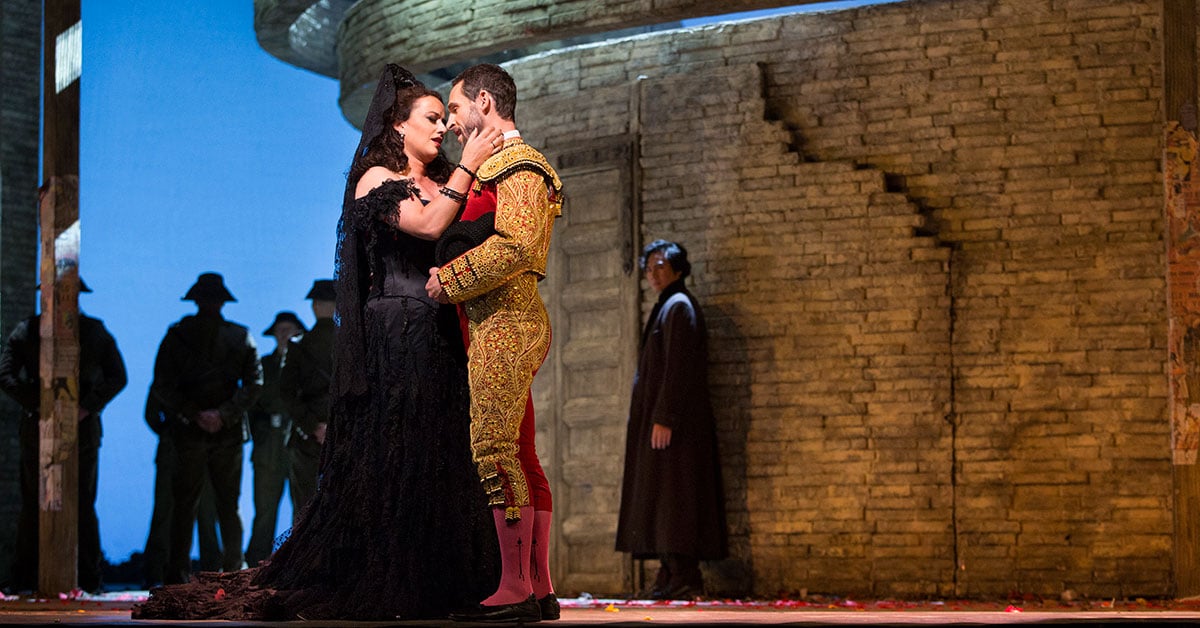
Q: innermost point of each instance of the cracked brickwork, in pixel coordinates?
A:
(939, 323)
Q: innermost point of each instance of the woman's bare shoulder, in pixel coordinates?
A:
(373, 178)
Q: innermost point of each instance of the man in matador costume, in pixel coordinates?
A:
(495, 284)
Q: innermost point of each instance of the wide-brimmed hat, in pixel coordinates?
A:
(285, 317)
(322, 290)
(209, 287)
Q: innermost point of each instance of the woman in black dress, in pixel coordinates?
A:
(397, 527)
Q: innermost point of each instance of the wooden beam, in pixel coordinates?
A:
(1179, 61)
(58, 372)
(58, 488)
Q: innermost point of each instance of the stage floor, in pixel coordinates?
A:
(114, 609)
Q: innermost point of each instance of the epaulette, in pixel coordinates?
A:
(514, 157)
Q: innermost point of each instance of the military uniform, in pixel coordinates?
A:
(206, 363)
(101, 377)
(270, 426)
(304, 386)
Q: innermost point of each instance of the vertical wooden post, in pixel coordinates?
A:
(58, 489)
(1179, 94)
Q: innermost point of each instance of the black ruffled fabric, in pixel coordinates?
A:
(399, 527)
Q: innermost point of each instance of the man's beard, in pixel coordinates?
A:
(472, 122)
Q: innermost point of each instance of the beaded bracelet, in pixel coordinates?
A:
(466, 170)
(454, 195)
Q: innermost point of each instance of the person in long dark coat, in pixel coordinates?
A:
(672, 505)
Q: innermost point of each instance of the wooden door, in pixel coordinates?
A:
(582, 392)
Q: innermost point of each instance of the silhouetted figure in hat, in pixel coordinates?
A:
(304, 385)
(206, 376)
(101, 377)
(270, 425)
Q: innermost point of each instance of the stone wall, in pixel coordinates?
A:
(928, 236)
(20, 40)
(424, 35)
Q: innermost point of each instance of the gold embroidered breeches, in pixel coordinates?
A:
(510, 335)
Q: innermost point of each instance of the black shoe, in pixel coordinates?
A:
(682, 592)
(549, 607)
(526, 611)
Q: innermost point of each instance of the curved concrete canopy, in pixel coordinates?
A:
(353, 40)
(301, 32)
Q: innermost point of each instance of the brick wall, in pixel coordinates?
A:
(20, 37)
(928, 239)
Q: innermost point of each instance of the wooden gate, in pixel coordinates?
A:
(582, 392)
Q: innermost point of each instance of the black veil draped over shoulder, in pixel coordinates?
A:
(399, 526)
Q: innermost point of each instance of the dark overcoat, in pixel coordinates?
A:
(207, 363)
(671, 499)
(304, 382)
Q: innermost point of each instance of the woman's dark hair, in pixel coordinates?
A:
(387, 148)
(674, 253)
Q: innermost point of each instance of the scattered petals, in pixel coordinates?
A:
(1013, 609)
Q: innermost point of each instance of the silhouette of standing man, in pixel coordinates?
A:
(269, 428)
(101, 377)
(207, 375)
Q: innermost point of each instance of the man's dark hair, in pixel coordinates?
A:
(674, 253)
(496, 81)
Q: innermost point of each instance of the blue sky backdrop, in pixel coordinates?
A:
(198, 152)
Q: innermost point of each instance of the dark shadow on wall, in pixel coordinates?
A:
(728, 378)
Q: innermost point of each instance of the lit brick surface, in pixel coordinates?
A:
(967, 233)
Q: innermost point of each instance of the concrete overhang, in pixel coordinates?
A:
(351, 41)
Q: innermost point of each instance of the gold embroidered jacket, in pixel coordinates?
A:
(528, 199)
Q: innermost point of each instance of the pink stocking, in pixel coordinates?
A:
(515, 545)
(539, 566)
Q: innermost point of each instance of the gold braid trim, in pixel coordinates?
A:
(500, 494)
(493, 486)
(520, 156)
